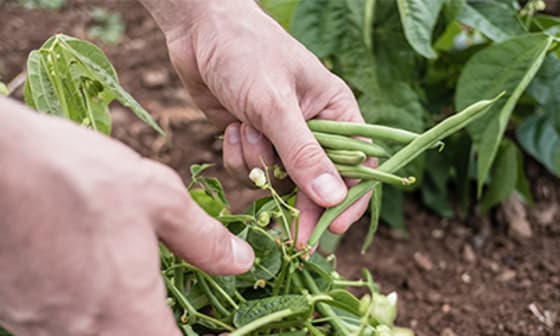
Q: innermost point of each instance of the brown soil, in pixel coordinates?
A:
(453, 278)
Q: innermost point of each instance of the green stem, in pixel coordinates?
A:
(255, 324)
(314, 331)
(367, 173)
(402, 158)
(334, 141)
(324, 308)
(179, 275)
(211, 297)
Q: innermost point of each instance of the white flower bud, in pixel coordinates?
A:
(392, 298)
(258, 177)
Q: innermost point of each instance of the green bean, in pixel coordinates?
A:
(367, 173)
(374, 132)
(341, 142)
(347, 157)
(401, 158)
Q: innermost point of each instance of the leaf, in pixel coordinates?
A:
(42, 91)
(93, 59)
(268, 259)
(281, 10)
(197, 169)
(322, 25)
(214, 186)
(3, 89)
(504, 176)
(545, 88)
(419, 18)
(206, 202)
(538, 136)
(495, 20)
(452, 8)
(343, 299)
(508, 66)
(434, 186)
(375, 212)
(255, 309)
(392, 207)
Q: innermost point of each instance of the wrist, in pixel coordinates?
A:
(183, 15)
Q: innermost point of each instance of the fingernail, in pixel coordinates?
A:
(329, 188)
(253, 136)
(233, 135)
(242, 253)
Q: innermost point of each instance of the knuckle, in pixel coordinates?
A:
(305, 154)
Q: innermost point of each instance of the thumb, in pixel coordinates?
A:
(302, 156)
(193, 235)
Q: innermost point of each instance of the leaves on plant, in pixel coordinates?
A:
(419, 18)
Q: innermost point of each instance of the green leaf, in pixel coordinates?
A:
(434, 186)
(197, 169)
(509, 66)
(392, 207)
(255, 309)
(268, 258)
(545, 88)
(495, 20)
(97, 65)
(538, 136)
(419, 18)
(322, 25)
(343, 299)
(504, 176)
(281, 10)
(3, 89)
(215, 187)
(375, 213)
(207, 202)
(42, 91)
(452, 8)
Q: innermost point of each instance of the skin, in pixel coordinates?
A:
(81, 214)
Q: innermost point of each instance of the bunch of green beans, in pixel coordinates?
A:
(348, 153)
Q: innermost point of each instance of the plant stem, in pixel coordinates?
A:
(211, 297)
(255, 324)
(324, 308)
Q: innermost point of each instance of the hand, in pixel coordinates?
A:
(252, 78)
(80, 218)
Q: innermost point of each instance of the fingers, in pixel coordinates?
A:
(191, 233)
(303, 158)
(233, 158)
(308, 217)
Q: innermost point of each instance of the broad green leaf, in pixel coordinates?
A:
(392, 211)
(495, 20)
(89, 56)
(214, 186)
(323, 25)
(419, 18)
(255, 309)
(42, 91)
(434, 186)
(503, 177)
(281, 10)
(507, 66)
(28, 95)
(538, 136)
(452, 8)
(375, 213)
(545, 89)
(3, 89)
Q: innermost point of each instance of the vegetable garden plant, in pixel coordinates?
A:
(402, 58)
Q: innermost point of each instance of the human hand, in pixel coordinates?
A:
(253, 79)
(80, 218)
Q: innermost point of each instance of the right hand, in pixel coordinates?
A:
(80, 218)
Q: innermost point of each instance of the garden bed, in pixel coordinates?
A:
(474, 277)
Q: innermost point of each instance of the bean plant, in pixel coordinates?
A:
(289, 290)
(411, 63)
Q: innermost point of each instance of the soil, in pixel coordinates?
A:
(480, 276)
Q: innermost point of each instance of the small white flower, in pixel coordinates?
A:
(392, 298)
(258, 177)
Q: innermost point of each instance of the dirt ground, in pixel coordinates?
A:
(477, 277)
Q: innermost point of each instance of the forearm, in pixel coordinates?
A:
(173, 13)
